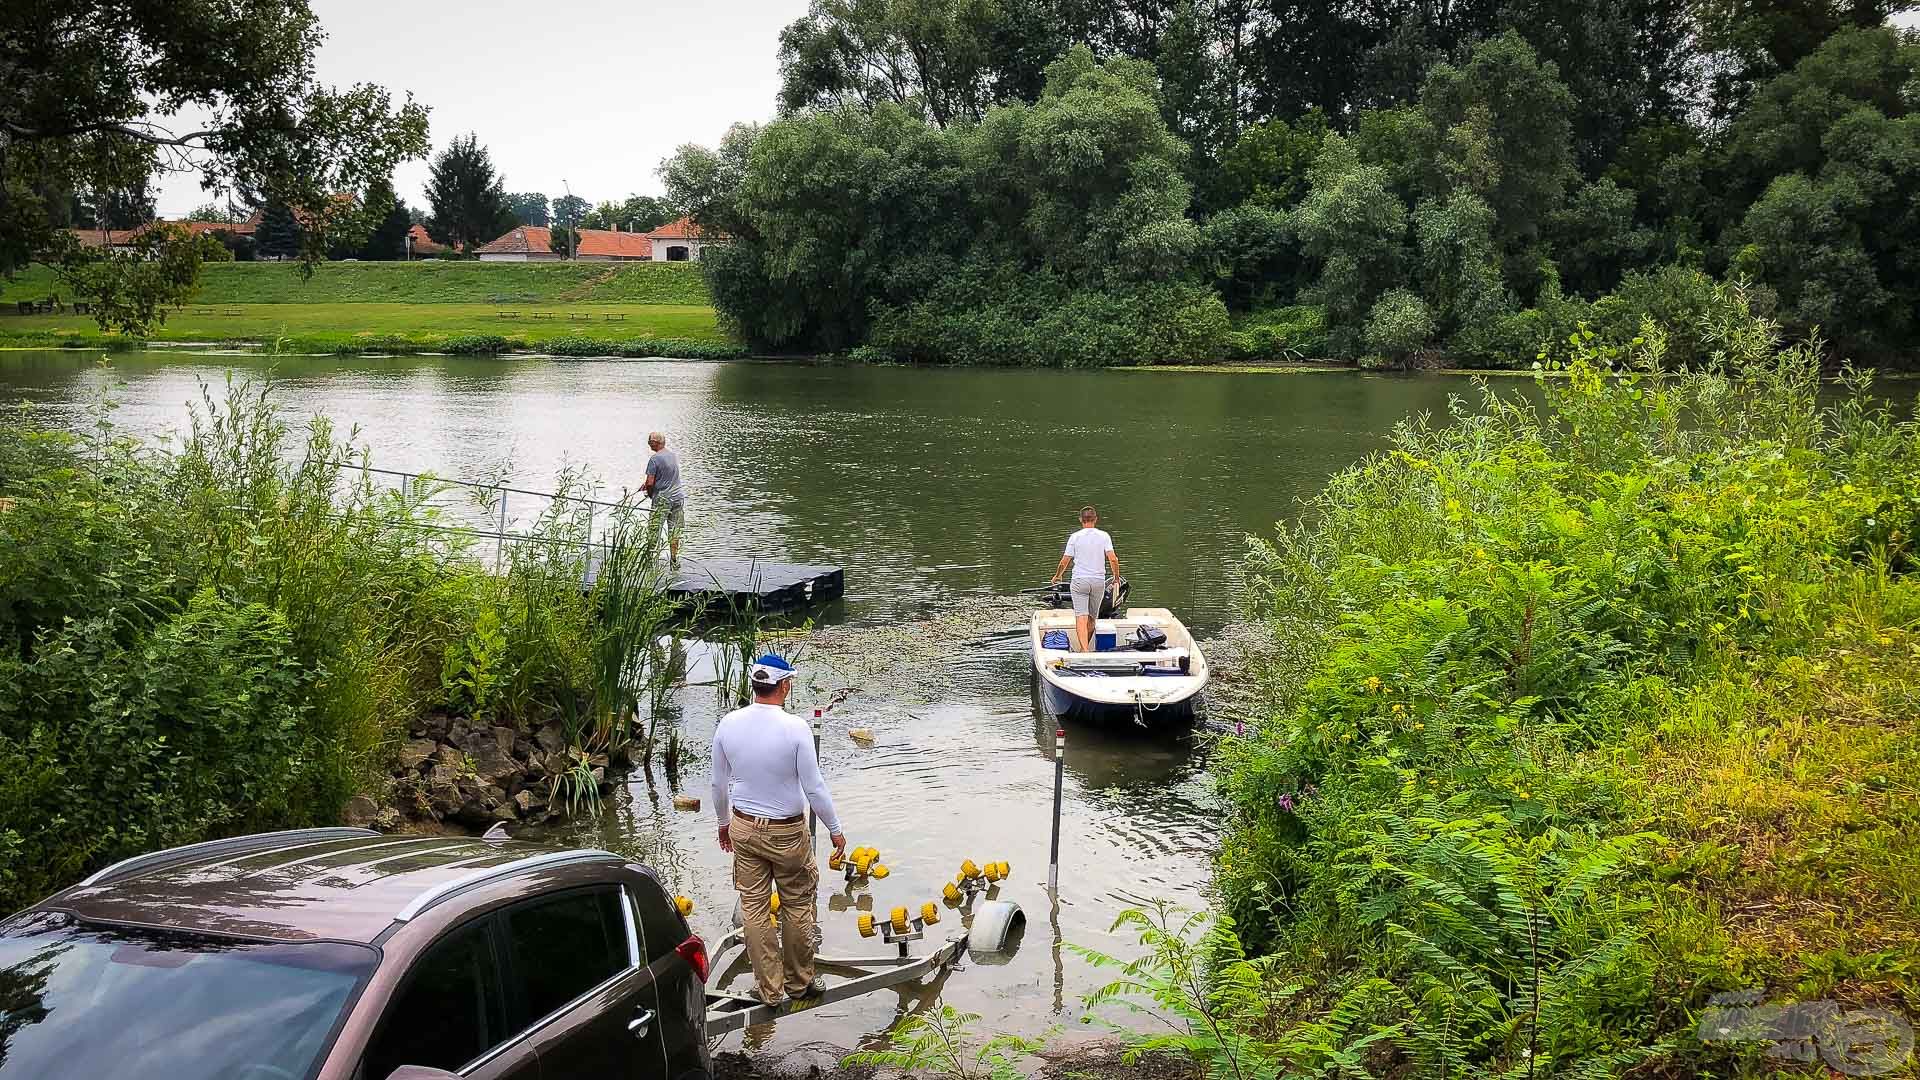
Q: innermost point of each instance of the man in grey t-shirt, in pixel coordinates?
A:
(663, 487)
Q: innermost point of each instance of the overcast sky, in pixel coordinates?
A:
(593, 92)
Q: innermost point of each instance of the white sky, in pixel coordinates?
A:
(594, 92)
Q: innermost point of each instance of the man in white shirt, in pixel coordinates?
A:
(1085, 552)
(765, 775)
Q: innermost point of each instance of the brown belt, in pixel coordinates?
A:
(794, 820)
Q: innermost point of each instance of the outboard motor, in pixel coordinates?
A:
(1060, 595)
(1149, 639)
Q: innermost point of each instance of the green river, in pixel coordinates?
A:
(942, 493)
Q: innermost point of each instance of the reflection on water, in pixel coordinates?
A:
(928, 485)
(942, 493)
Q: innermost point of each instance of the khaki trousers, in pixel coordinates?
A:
(764, 857)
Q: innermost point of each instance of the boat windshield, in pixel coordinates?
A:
(83, 1001)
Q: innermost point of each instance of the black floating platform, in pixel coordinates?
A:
(759, 584)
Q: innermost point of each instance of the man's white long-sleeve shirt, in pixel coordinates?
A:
(764, 766)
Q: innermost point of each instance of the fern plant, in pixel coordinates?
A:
(938, 1042)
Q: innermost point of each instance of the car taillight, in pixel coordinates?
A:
(694, 952)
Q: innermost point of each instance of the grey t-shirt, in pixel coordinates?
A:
(663, 468)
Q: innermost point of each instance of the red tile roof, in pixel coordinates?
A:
(606, 243)
(521, 240)
(422, 242)
(93, 238)
(683, 229)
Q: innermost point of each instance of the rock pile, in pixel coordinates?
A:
(465, 772)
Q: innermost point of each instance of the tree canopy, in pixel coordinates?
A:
(91, 95)
(467, 198)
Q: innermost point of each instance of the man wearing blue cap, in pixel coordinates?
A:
(765, 775)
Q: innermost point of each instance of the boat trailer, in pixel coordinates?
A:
(990, 930)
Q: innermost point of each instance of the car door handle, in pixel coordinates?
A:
(642, 1021)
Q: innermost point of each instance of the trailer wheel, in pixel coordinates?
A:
(998, 926)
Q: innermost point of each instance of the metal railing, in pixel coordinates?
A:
(492, 499)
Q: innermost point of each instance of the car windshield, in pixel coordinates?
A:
(80, 1000)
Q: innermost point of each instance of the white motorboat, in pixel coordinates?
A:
(1150, 671)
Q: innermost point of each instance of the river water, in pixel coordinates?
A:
(942, 493)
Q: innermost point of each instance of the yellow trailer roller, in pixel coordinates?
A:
(865, 922)
(929, 913)
(899, 920)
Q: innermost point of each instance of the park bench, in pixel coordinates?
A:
(621, 316)
(508, 314)
(233, 311)
(25, 307)
(83, 307)
(575, 316)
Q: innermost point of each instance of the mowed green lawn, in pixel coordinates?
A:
(424, 324)
(430, 282)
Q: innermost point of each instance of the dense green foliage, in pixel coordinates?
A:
(944, 174)
(467, 199)
(431, 282)
(1582, 714)
(96, 96)
(1052, 232)
(231, 635)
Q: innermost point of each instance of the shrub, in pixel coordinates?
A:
(1560, 694)
(1288, 333)
(479, 344)
(231, 636)
(1398, 326)
(1039, 321)
(1686, 304)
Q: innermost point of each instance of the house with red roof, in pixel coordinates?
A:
(676, 241)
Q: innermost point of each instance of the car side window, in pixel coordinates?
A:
(449, 1011)
(661, 928)
(563, 946)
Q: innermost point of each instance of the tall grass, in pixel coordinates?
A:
(233, 632)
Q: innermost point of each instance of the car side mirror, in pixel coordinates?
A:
(421, 1072)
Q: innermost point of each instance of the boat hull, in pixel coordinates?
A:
(1062, 704)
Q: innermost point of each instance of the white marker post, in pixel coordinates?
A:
(1059, 785)
(813, 820)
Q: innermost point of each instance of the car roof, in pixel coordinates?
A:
(338, 884)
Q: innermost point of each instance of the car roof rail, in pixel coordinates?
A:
(445, 889)
(231, 845)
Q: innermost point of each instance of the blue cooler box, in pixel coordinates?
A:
(1104, 642)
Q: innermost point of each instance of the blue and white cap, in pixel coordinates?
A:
(770, 670)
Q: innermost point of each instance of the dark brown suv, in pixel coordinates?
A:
(343, 954)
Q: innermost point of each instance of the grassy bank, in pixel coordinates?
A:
(427, 282)
(1580, 717)
(233, 636)
(379, 327)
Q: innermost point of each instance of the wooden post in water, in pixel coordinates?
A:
(1059, 785)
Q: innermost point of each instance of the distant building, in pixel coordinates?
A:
(681, 241)
(123, 239)
(677, 241)
(522, 243)
(420, 245)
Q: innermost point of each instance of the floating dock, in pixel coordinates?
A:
(762, 585)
